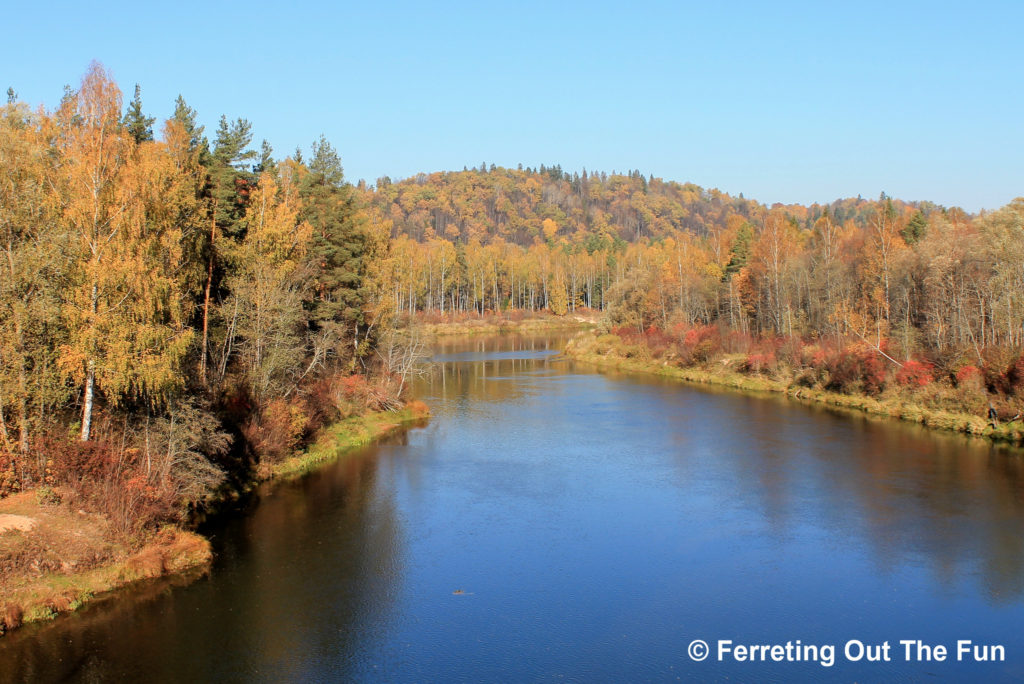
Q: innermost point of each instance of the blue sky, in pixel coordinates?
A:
(784, 102)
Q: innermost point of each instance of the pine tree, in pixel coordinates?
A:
(230, 177)
(135, 123)
(740, 250)
(265, 163)
(339, 248)
(915, 229)
(189, 120)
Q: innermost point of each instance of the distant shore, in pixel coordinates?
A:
(584, 349)
(498, 324)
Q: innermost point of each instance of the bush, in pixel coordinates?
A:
(850, 370)
(758, 363)
(970, 376)
(700, 345)
(915, 374)
(105, 479)
(790, 351)
(46, 496)
(277, 430)
(657, 341)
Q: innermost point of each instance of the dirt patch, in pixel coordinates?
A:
(9, 521)
(54, 557)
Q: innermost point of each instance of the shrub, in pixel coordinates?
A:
(10, 617)
(851, 370)
(790, 351)
(701, 344)
(915, 374)
(758, 363)
(46, 496)
(657, 341)
(969, 376)
(806, 378)
(277, 430)
(103, 478)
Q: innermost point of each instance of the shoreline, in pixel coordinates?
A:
(505, 326)
(174, 549)
(963, 423)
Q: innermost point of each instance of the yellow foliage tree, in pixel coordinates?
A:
(124, 309)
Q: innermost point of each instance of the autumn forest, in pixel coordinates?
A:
(179, 306)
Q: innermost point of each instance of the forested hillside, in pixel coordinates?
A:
(520, 206)
(496, 239)
(873, 286)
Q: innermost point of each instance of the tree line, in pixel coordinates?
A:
(916, 276)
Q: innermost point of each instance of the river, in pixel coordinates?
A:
(556, 523)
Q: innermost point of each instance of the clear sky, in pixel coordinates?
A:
(784, 102)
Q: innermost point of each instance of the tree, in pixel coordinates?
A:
(124, 307)
(32, 260)
(189, 121)
(916, 228)
(265, 279)
(138, 125)
(229, 173)
(339, 249)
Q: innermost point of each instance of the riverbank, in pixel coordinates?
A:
(520, 323)
(54, 558)
(344, 435)
(587, 349)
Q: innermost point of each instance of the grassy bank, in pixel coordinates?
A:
(344, 435)
(55, 558)
(721, 373)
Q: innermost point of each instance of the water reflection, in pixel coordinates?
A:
(555, 522)
(305, 552)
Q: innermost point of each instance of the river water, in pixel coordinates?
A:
(555, 523)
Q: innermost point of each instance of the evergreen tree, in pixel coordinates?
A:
(916, 228)
(137, 124)
(188, 118)
(740, 250)
(230, 178)
(266, 163)
(339, 249)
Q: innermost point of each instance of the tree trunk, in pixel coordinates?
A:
(90, 381)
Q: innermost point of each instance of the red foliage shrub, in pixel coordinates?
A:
(657, 341)
(915, 373)
(790, 350)
(852, 369)
(968, 374)
(320, 404)
(112, 481)
(628, 333)
(737, 342)
(758, 362)
(701, 344)
(356, 389)
(678, 331)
